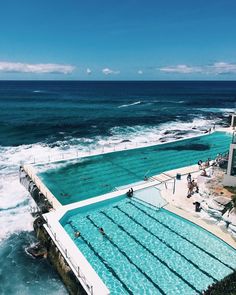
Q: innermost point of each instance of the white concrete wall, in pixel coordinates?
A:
(233, 120)
(229, 180)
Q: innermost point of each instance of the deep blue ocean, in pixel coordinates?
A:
(42, 118)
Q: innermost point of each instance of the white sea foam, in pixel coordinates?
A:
(218, 110)
(40, 91)
(144, 135)
(120, 138)
(129, 105)
(14, 206)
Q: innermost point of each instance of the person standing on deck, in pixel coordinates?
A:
(189, 177)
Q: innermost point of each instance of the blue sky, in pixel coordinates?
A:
(118, 39)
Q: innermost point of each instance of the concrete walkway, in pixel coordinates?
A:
(179, 204)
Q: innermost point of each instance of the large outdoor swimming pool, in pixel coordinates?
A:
(96, 175)
(148, 251)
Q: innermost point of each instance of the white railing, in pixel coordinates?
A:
(61, 156)
(63, 250)
(102, 149)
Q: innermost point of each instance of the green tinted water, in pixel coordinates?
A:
(96, 175)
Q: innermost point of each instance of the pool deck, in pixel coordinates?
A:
(179, 204)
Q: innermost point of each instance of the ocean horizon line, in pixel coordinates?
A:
(111, 81)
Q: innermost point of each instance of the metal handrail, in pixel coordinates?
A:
(234, 137)
(67, 257)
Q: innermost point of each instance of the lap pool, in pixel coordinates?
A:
(80, 179)
(147, 251)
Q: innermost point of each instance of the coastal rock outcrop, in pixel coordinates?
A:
(216, 207)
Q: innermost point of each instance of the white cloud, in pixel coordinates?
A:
(181, 69)
(140, 72)
(217, 68)
(108, 71)
(88, 71)
(220, 68)
(17, 67)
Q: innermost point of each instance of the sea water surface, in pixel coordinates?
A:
(42, 118)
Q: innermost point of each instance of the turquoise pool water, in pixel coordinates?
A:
(96, 175)
(145, 251)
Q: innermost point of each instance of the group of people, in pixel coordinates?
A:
(101, 230)
(204, 165)
(130, 193)
(210, 163)
(192, 184)
(204, 173)
(221, 159)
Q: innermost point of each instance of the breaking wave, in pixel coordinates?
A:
(129, 105)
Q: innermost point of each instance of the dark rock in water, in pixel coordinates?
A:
(190, 147)
(225, 125)
(168, 132)
(126, 140)
(37, 251)
(203, 129)
(182, 132)
(175, 132)
(162, 139)
(194, 128)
